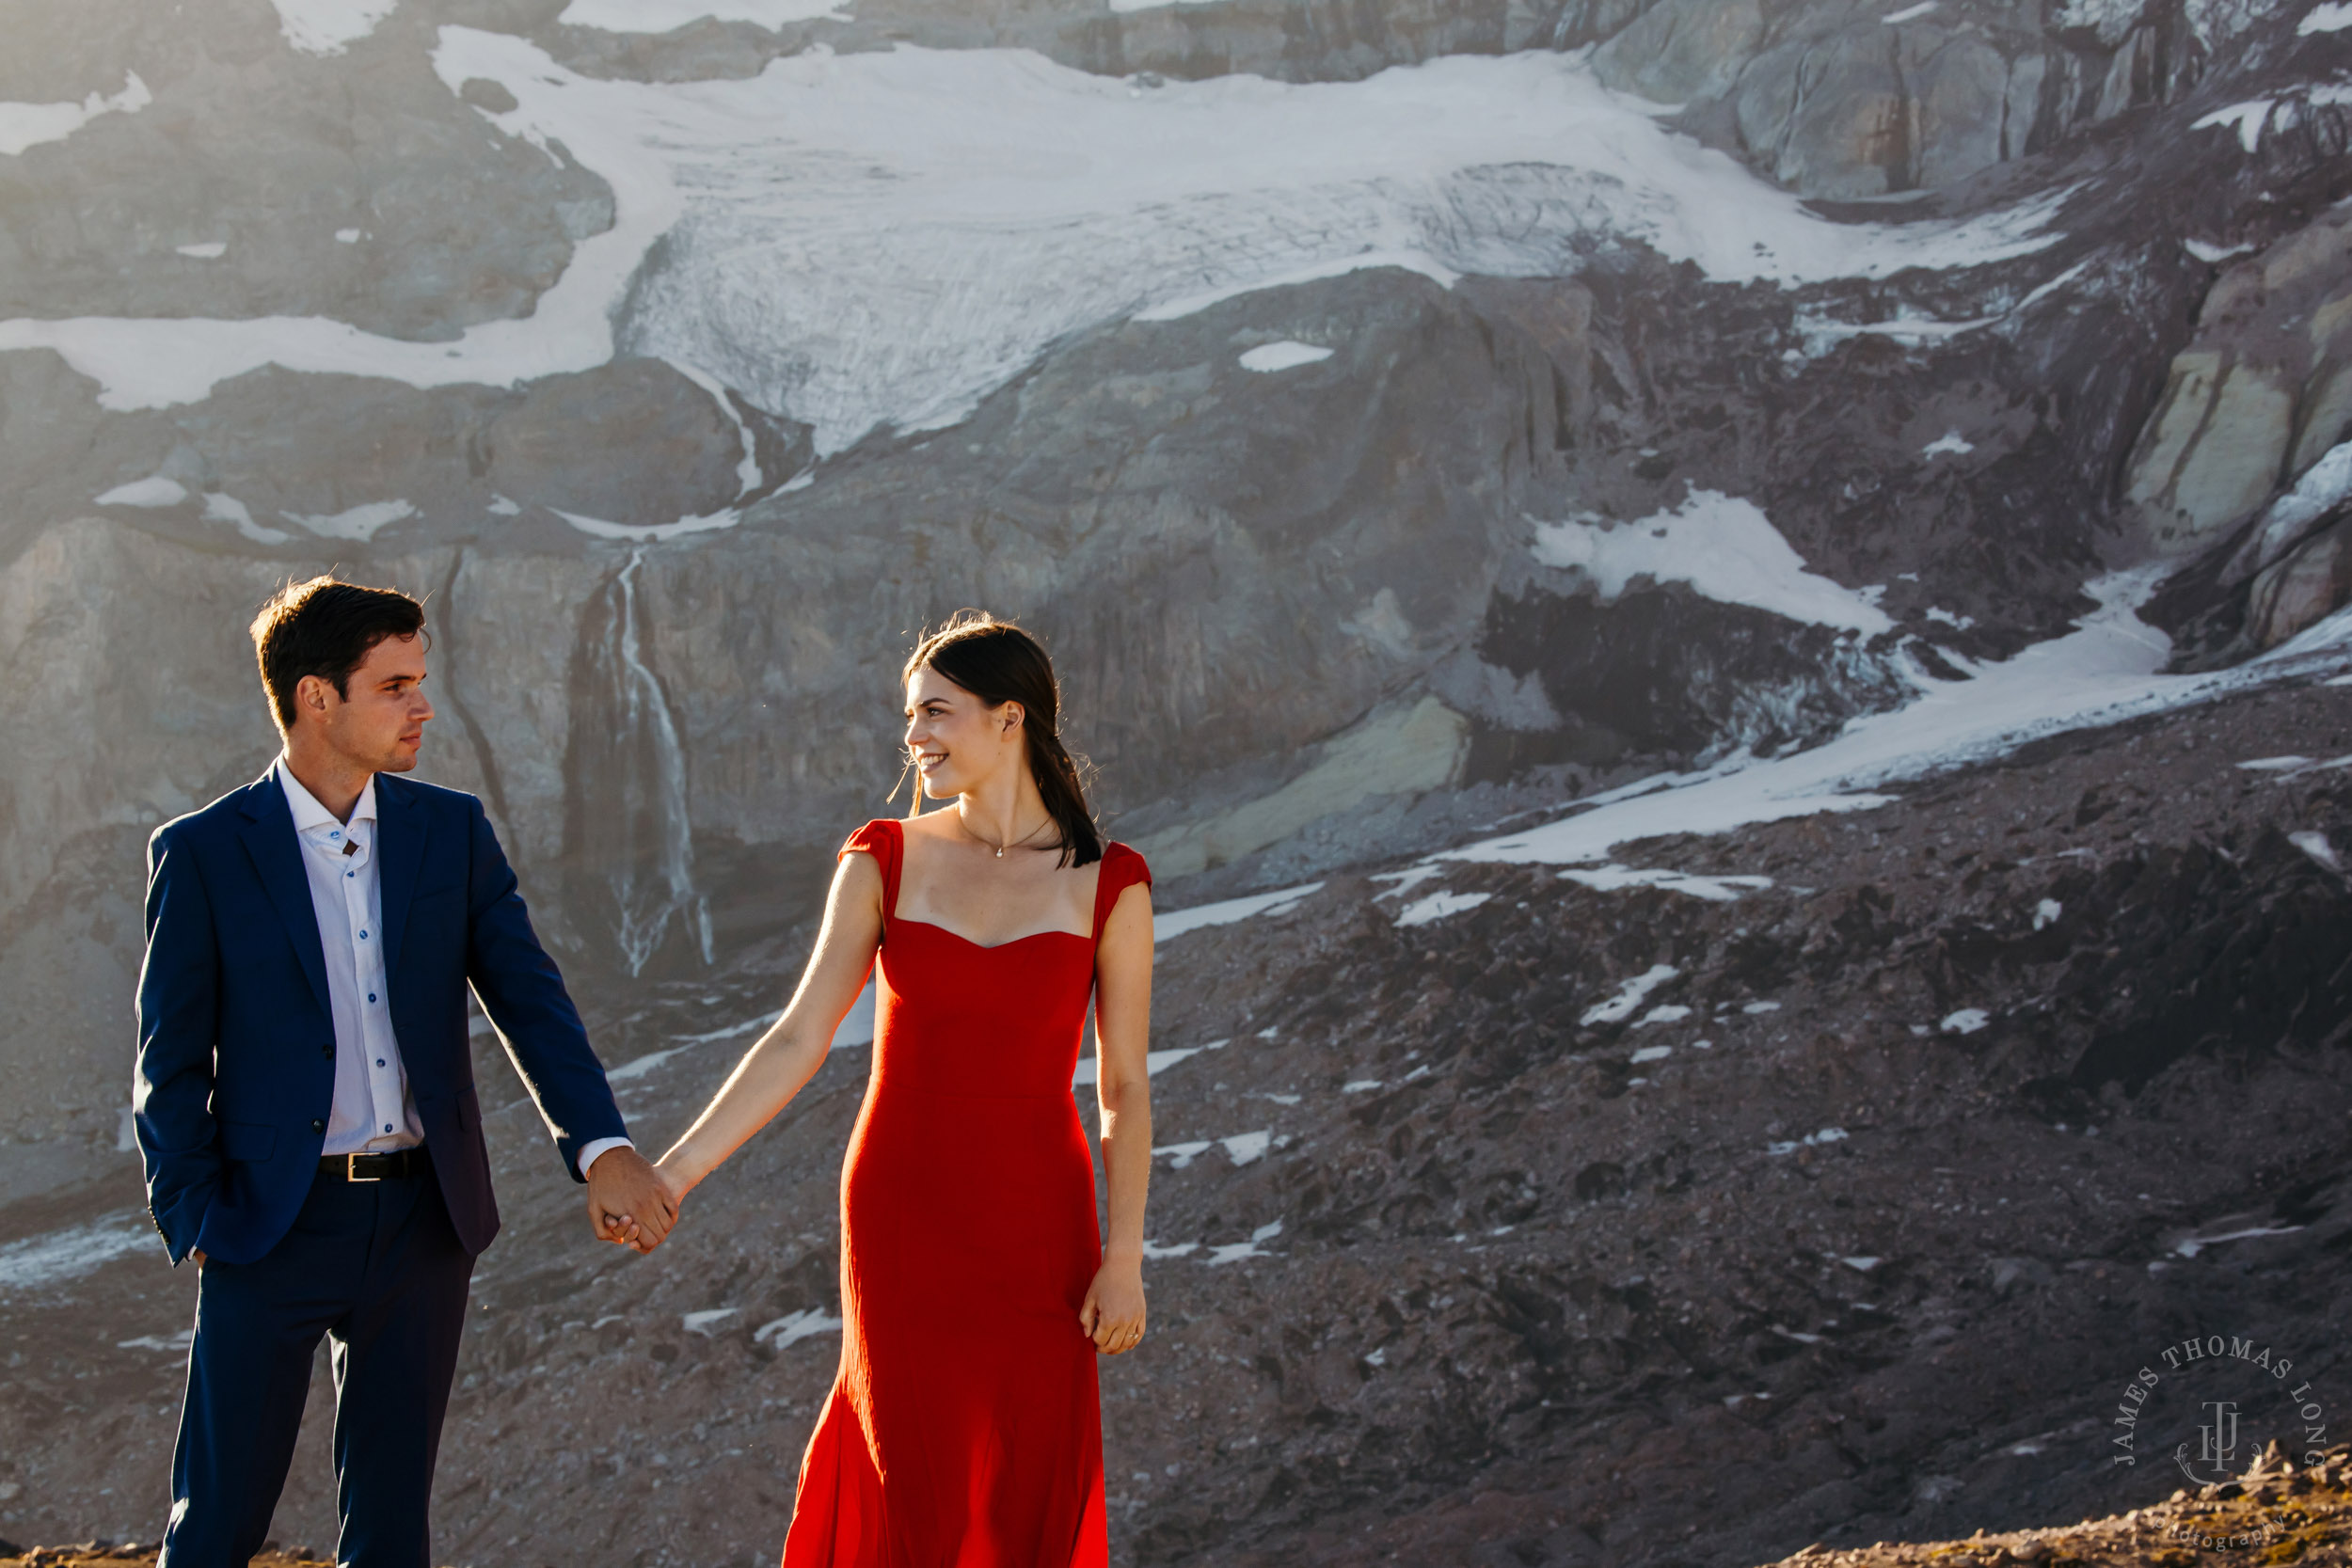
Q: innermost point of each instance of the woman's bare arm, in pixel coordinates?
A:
(1113, 1313)
(783, 1058)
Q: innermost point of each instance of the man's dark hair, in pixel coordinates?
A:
(326, 628)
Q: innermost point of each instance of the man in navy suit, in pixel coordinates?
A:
(304, 1096)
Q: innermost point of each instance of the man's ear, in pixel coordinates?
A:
(311, 695)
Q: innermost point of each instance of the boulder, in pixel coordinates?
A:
(2327, 415)
(1868, 109)
(1681, 50)
(1963, 90)
(631, 442)
(2256, 401)
(2230, 466)
(2307, 587)
(1849, 127)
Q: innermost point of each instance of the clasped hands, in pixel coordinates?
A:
(630, 1202)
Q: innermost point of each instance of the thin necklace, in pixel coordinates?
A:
(1000, 848)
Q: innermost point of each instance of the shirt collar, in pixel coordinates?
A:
(308, 814)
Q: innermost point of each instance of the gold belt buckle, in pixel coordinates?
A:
(351, 1168)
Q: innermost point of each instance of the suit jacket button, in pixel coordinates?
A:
(317, 1125)
(328, 1052)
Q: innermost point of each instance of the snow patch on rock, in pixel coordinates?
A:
(358, 524)
(329, 26)
(1286, 355)
(1718, 890)
(1176, 923)
(155, 490)
(2246, 118)
(1436, 906)
(807, 1323)
(1723, 546)
(62, 1255)
(663, 16)
(222, 507)
(23, 125)
(1629, 996)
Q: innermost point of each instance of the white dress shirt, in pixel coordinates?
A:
(373, 1110)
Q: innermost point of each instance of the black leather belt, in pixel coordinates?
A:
(389, 1166)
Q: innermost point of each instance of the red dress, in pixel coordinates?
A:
(965, 1430)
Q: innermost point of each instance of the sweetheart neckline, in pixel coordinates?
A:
(988, 947)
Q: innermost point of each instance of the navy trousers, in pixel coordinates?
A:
(375, 1266)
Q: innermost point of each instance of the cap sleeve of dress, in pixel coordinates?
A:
(880, 838)
(1122, 868)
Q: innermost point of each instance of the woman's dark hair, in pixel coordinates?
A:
(325, 628)
(998, 662)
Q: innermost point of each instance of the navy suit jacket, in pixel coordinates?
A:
(236, 1062)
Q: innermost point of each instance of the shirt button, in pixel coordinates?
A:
(388, 1126)
(318, 1125)
(372, 997)
(379, 1061)
(364, 936)
(351, 873)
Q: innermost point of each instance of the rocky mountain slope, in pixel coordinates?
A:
(1408, 425)
(1832, 1179)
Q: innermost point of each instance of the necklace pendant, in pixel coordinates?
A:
(1000, 851)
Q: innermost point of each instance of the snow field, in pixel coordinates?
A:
(2103, 672)
(883, 238)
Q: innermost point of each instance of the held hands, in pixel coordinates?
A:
(1112, 1314)
(629, 1203)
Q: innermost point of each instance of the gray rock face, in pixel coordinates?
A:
(1682, 49)
(1854, 101)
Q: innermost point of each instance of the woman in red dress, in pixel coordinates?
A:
(965, 1429)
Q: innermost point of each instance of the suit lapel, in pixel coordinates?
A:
(270, 840)
(400, 832)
